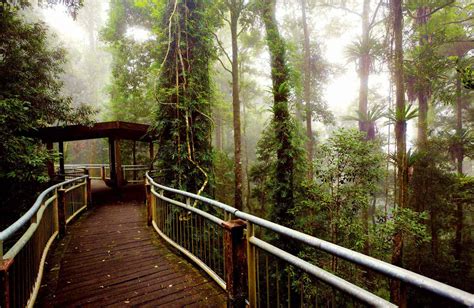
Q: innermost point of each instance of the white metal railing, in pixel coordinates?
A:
(199, 227)
(22, 264)
(131, 173)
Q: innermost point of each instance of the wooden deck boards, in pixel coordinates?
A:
(110, 258)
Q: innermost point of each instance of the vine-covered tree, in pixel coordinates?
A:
(183, 120)
(282, 122)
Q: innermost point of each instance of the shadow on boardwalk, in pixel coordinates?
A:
(110, 258)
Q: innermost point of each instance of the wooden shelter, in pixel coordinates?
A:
(114, 131)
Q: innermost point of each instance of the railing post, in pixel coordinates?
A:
(62, 211)
(235, 262)
(55, 211)
(102, 173)
(149, 196)
(251, 265)
(88, 188)
(5, 283)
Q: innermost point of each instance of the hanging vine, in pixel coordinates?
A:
(183, 121)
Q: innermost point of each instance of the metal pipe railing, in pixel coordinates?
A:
(21, 267)
(130, 173)
(388, 270)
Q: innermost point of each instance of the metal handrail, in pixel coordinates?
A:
(392, 271)
(20, 223)
(136, 169)
(22, 266)
(382, 267)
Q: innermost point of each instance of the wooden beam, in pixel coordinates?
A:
(118, 164)
(113, 171)
(116, 129)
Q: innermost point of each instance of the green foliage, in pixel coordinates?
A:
(29, 97)
(410, 112)
(224, 183)
(429, 222)
(373, 48)
(348, 171)
(263, 172)
(131, 97)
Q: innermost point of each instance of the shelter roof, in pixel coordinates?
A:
(115, 129)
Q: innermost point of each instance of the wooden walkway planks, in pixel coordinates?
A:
(110, 258)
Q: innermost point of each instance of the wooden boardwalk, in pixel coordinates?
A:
(110, 258)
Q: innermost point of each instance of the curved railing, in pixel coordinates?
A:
(224, 242)
(22, 264)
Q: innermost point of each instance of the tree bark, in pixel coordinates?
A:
(459, 160)
(396, 294)
(364, 69)
(235, 8)
(218, 132)
(423, 87)
(307, 91)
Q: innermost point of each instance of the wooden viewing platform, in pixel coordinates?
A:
(110, 258)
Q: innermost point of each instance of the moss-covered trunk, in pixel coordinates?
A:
(283, 192)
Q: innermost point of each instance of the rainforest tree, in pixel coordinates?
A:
(184, 95)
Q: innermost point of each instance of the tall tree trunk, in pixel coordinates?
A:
(281, 118)
(459, 160)
(307, 91)
(234, 18)
(397, 295)
(364, 67)
(218, 132)
(422, 94)
(183, 123)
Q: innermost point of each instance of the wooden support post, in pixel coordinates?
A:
(88, 188)
(62, 212)
(152, 155)
(102, 173)
(134, 159)
(118, 163)
(5, 282)
(235, 247)
(113, 171)
(50, 163)
(62, 171)
(149, 209)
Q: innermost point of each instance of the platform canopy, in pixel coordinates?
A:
(115, 130)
